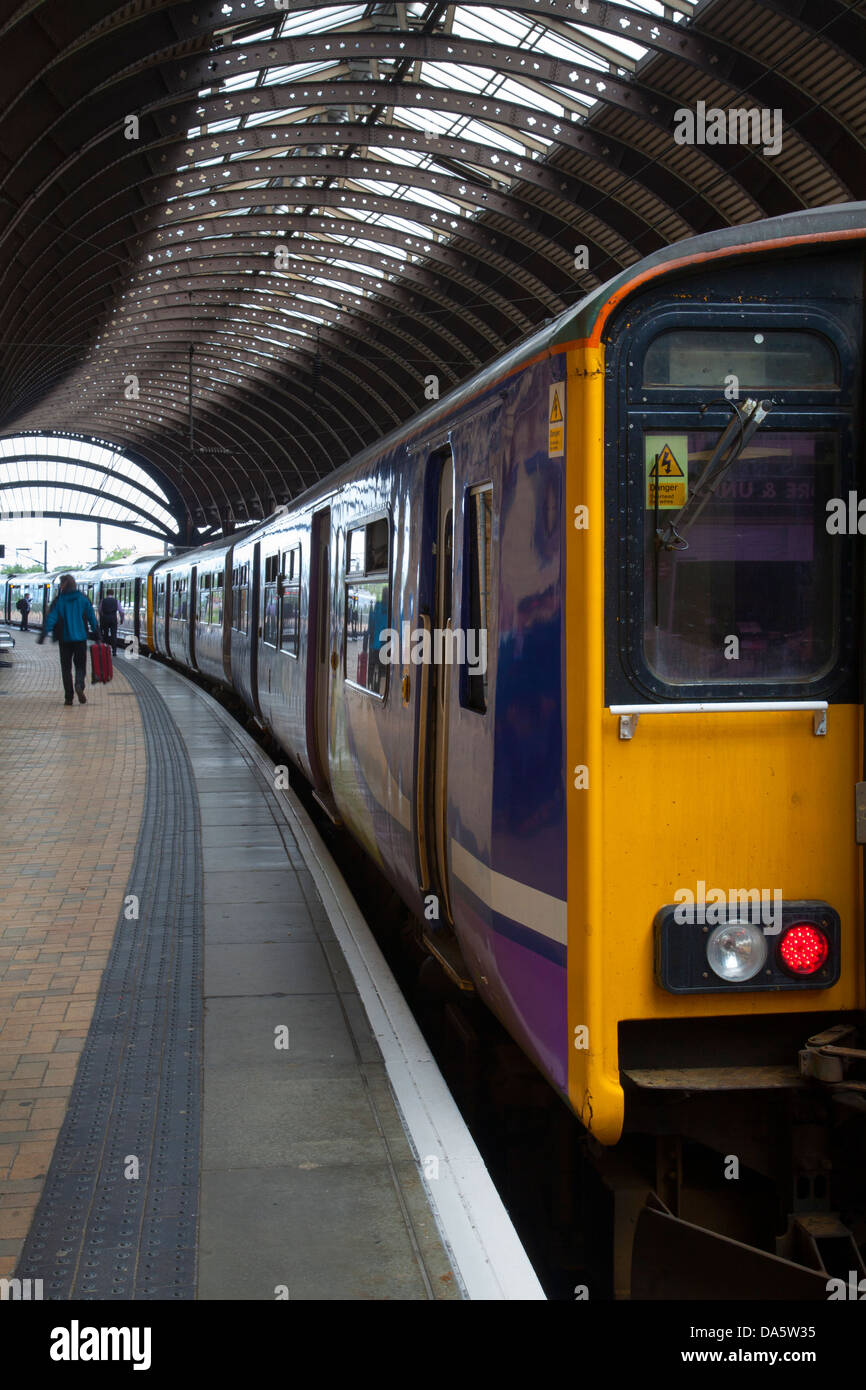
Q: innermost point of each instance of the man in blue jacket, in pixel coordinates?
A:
(74, 611)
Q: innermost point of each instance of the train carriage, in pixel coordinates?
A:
(626, 815)
(128, 581)
(36, 586)
(188, 593)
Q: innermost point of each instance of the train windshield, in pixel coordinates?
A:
(753, 597)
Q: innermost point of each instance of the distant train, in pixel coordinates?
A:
(37, 587)
(633, 829)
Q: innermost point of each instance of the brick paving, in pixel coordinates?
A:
(73, 789)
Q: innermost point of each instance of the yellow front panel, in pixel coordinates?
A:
(736, 801)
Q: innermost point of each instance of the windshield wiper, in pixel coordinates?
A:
(743, 424)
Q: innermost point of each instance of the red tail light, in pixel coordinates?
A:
(803, 948)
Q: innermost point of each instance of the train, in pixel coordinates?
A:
(575, 654)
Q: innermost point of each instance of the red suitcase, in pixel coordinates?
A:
(100, 663)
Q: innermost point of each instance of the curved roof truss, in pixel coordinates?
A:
(239, 238)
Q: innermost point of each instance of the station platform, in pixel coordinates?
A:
(209, 1085)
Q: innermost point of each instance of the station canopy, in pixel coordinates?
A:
(239, 240)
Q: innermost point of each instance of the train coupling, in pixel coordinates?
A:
(828, 1057)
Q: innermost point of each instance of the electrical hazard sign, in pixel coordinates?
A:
(666, 462)
(556, 421)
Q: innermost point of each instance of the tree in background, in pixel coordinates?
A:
(119, 553)
(11, 570)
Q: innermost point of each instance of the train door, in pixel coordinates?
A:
(147, 615)
(256, 625)
(167, 606)
(231, 618)
(319, 650)
(192, 612)
(436, 698)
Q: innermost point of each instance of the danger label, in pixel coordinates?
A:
(556, 421)
(666, 462)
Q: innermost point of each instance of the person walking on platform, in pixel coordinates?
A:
(110, 613)
(24, 605)
(73, 613)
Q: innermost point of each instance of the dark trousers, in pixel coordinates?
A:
(25, 627)
(109, 633)
(69, 652)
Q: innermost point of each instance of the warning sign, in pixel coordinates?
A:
(556, 421)
(666, 460)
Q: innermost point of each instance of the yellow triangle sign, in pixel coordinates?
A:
(667, 466)
(556, 410)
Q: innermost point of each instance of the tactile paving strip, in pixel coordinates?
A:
(100, 1232)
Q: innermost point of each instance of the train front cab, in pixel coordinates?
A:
(687, 810)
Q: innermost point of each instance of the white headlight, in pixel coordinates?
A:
(736, 951)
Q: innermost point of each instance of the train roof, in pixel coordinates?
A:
(585, 320)
(582, 322)
(196, 554)
(136, 564)
(773, 233)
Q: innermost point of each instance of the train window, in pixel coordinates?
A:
(240, 591)
(216, 607)
(367, 604)
(707, 358)
(204, 596)
(356, 548)
(290, 601)
(377, 545)
(270, 625)
(753, 597)
(479, 524)
(179, 599)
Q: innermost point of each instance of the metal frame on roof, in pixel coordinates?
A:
(280, 221)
